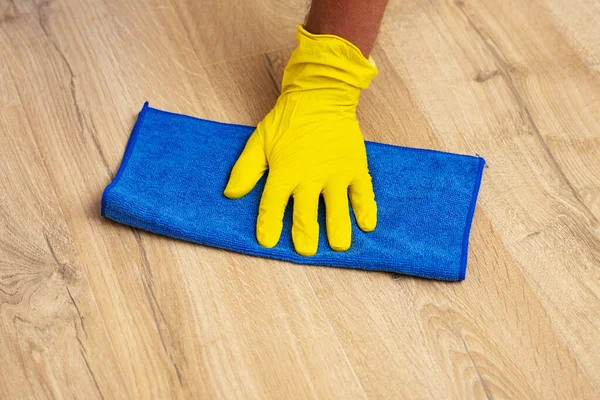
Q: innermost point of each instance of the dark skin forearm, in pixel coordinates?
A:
(355, 20)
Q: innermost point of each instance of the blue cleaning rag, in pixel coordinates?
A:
(175, 168)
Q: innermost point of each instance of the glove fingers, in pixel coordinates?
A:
(305, 229)
(248, 169)
(270, 213)
(339, 228)
(363, 202)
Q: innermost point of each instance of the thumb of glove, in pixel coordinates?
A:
(248, 169)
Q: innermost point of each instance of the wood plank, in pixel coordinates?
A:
(221, 31)
(577, 21)
(487, 108)
(77, 167)
(53, 341)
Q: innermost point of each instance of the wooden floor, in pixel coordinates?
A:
(92, 309)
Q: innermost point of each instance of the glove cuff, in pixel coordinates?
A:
(327, 61)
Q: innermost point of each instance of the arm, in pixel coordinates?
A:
(357, 21)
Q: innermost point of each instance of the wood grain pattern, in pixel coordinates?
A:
(93, 309)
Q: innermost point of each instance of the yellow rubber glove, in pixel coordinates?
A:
(312, 145)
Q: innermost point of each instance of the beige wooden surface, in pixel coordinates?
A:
(92, 309)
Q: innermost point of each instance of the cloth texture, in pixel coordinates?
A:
(175, 167)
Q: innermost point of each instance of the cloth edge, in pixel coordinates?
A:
(471, 213)
(128, 151)
(366, 141)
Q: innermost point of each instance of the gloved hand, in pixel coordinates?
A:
(312, 145)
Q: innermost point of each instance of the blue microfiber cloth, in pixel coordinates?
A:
(175, 168)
